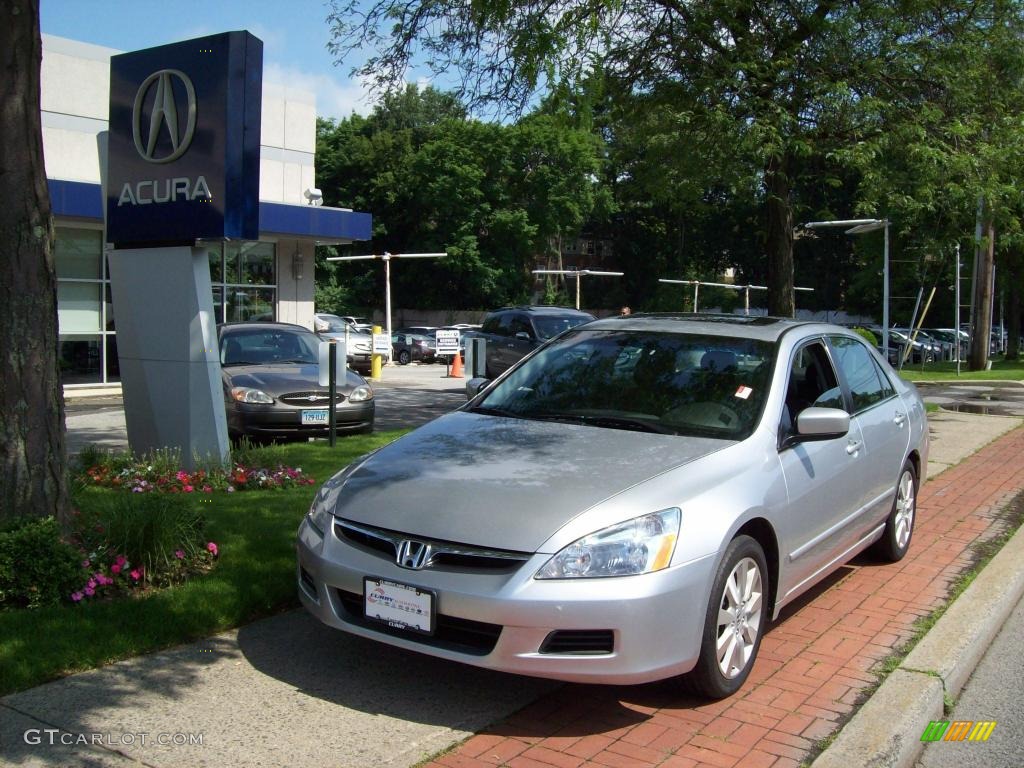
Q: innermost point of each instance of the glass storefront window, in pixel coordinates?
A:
(249, 304)
(113, 364)
(78, 253)
(250, 264)
(80, 359)
(216, 265)
(78, 307)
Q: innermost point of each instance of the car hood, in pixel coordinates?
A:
(280, 379)
(500, 482)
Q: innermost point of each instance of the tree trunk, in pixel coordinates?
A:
(981, 322)
(779, 238)
(1013, 274)
(32, 451)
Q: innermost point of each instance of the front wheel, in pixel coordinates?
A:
(735, 621)
(404, 357)
(899, 526)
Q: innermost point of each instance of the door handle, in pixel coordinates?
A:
(853, 446)
(899, 418)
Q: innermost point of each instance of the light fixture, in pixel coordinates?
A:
(314, 196)
(297, 264)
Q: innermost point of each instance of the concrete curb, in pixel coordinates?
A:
(886, 731)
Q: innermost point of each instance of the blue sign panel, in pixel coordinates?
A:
(184, 147)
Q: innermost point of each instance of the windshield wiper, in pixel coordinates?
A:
(611, 422)
(495, 412)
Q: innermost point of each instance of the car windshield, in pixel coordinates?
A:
(331, 323)
(668, 383)
(269, 346)
(549, 327)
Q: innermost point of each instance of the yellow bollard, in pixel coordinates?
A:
(375, 359)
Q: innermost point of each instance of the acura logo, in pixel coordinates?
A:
(413, 554)
(163, 116)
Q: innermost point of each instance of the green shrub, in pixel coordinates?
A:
(867, 335)
(37, 567)
(161, 533)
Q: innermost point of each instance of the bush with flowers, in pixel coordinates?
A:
(161, 472)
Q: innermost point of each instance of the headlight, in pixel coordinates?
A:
(318, 516)
(361, 394)
(250, 395)
(641, 545)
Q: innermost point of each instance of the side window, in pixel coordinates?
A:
(861, 372)
(812, 381)
(521, 324)
(490, 324)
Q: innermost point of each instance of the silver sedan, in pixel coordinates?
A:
(633, 501)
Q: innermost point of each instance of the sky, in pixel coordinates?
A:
(294, 35)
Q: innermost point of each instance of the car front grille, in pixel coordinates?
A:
(317, 399)
(450, 632)
(440, 554)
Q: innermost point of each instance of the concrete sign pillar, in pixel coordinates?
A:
(173, 396)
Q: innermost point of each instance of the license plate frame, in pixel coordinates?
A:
(400, 606)
(315, 417)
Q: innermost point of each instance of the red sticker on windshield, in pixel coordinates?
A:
(744, 392)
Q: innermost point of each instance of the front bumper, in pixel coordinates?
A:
(286, 421)
(655, 620)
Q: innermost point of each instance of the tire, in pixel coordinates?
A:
(736, 619)
(899, 526)
(404, 357)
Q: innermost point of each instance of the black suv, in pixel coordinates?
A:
(514, 332)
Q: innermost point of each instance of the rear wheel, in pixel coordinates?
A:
(735, 621)
(404, 357)
(899, 527)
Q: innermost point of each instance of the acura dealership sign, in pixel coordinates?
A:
(184, 145)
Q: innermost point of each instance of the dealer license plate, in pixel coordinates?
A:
(318, 416)
(399, 605)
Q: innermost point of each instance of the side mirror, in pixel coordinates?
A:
(822, 423)
(475, 386)
(524, 336)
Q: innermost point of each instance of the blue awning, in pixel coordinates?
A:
(83, 200)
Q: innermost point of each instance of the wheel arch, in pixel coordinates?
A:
(761, 531)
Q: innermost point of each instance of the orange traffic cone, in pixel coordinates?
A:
(456, 372)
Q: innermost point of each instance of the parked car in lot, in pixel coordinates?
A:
(271, 390)
(513, 332)
(635, 501)
(360, 341)
(412, 347)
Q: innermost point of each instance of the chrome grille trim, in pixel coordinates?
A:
(312, 399)
(441, 552)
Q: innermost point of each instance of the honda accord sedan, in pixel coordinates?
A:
(271, 389)
(633, 501)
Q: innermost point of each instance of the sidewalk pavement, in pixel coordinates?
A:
(284, 691)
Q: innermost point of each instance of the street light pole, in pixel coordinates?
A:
(386, 258)
(860, 227)
(577, 273)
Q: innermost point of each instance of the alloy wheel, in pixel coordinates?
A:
(739, 617)
(905, 505)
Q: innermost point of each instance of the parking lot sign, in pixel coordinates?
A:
(447, 342)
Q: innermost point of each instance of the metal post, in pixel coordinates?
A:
(956, 315)
(696, 293)
(885, 295)
(387, 291)
(746, 300)
(578, 275)
(332, 387)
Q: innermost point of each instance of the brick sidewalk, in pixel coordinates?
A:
(814, 664)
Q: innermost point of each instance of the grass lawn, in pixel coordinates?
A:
(945, 371)
(254, 577)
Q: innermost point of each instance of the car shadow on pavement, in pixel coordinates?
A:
(404, 407)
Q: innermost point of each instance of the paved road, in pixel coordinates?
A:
(988, 399)
(992, 693)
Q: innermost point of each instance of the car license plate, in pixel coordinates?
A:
(399, 605)
(318, 416)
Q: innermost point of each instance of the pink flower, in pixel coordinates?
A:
(85, 563)
(211, 548)
(121, 560)
(91, 584)
(136, 574)
(182, 476)
(76, 596)
(115, 569)
(207, 489)
(188, 489)
(90, 591)
(180, 554)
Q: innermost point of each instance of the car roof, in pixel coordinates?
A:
(245, 326)
(758, 327)
(537, 309)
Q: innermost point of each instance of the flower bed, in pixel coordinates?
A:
(141, 477)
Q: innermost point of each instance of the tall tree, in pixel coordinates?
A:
(780, 73)
(32, 451)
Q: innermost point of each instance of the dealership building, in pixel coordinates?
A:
(269, 278)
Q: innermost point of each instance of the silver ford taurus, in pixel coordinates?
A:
(633, 501)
